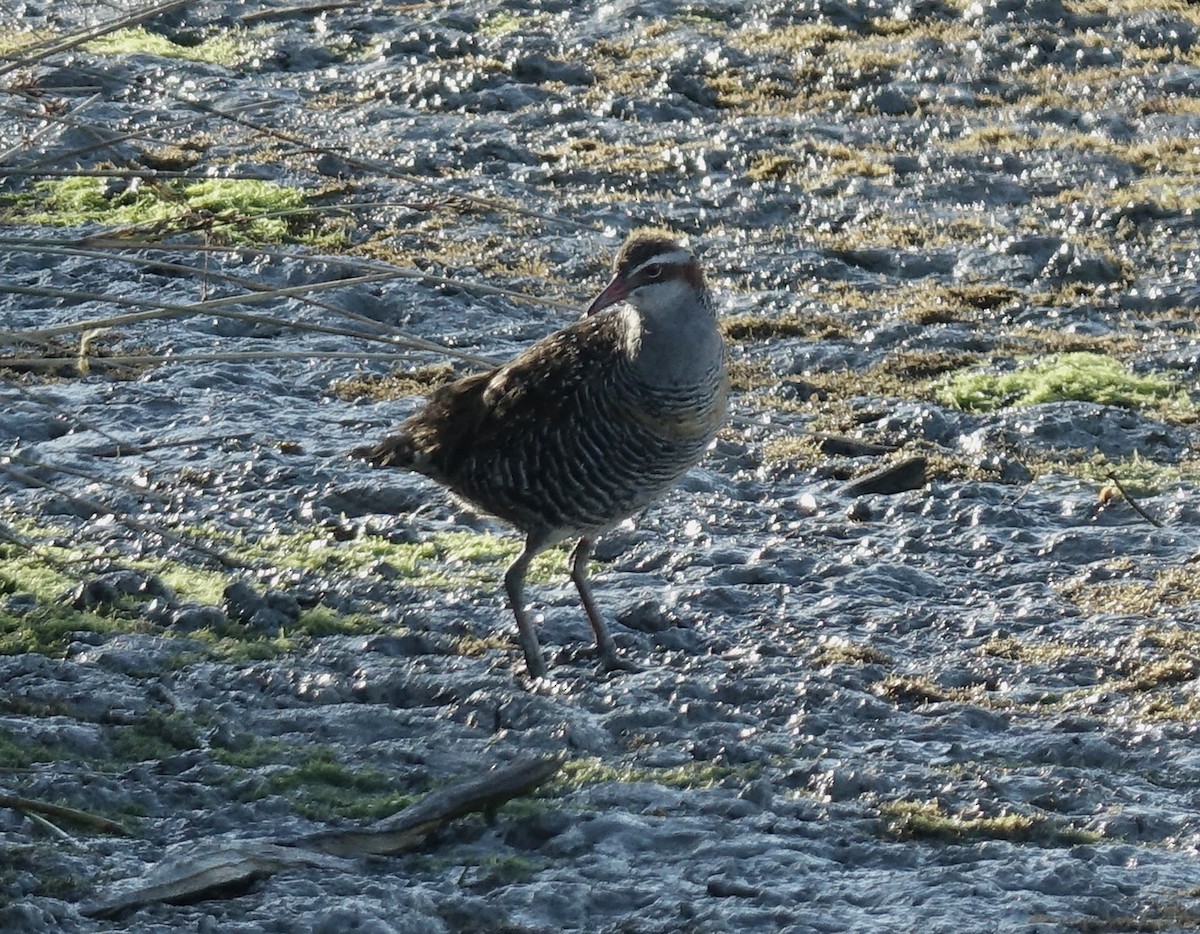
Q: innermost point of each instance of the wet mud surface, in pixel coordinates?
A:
(967, 706)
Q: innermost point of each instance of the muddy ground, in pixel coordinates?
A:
(968, 705)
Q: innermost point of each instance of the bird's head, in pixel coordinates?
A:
(656, 273)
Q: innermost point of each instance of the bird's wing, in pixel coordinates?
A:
(542, 386)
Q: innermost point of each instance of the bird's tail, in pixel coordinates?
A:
(393, 451)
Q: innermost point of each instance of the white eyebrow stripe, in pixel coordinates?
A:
(674, 258)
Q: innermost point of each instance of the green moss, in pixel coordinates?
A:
(17, 754)
(591, 771)
(154, 736)
(1085, 377)
(16, 43)
(230, 49)
(444, 559)
(927, 820)
(47, 624)
(322, 788)
(322, 621)
(476, 873)
(239, 210)
(254, 753)
(1138, 476)
(191, 584)
(511, 869)
(37, 870)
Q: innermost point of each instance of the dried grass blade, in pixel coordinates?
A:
(233, 356)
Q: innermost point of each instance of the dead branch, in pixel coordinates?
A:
(223, 869)
(32, 806)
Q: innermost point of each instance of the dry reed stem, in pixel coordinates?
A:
(239, 356)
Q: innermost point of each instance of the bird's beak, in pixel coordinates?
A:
(614, 292)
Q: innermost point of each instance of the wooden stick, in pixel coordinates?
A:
(215, 869)
(30, 805)
(409, 828)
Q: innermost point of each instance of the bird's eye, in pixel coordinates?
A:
(654, 272)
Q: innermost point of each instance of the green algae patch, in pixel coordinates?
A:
(155, 736)
(22, 753)
(34, 614)
(312, 778)
(235, 210)
(49, 629)
(441, 560)
(1084, 377)
(928, 820)
(591, 771)
(15, 43)
(1137, 475)
(322, 788)
(230, 49)
(38, 580)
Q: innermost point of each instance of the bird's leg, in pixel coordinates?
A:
(609, 660)
(514, 583)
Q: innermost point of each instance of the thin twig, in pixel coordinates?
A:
(106, 143)
(51, 124)
(1133, 502)
(52, 828)
(165, 309)
(150, 174)
(49, 363)
(149, 446)
(214, 307)
(309, 9)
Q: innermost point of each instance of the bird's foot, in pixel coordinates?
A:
(611, 663)
(536, 666)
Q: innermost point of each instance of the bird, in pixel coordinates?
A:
(584, 428)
